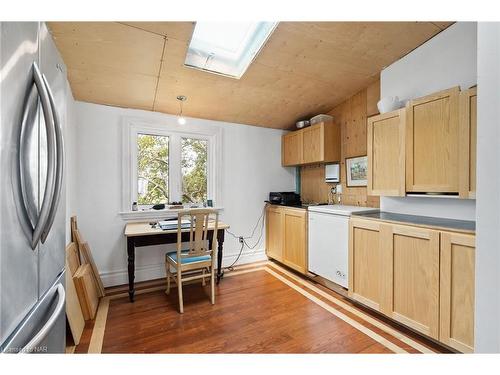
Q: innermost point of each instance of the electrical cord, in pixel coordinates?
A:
(244, 239)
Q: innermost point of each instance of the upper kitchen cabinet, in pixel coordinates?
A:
(291, 149)
(432, 129)
(468, 138)
(318, 143)
(386, 154)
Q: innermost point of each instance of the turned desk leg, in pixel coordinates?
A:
(131, 267)
(220, 246)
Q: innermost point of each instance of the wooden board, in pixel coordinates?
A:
(73, 309)
(72, 258)
(304, 69)
(86, 291)
(89, 259)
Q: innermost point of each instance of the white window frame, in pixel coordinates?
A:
(170, 128)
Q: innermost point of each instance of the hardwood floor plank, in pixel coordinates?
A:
(255, 312)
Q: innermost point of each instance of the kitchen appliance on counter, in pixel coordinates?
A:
(329, 241)
(286, 198)
(32, 191)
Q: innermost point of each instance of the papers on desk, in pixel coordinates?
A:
(172, 224)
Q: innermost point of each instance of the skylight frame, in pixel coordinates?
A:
(266, 28)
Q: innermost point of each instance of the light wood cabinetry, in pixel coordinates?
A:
(319, 143)
(432, 143)
(386, 154)
(286, 236)
(274, 229)
(457, 291)
(411, 277)
(295, 239)
(423, 278)
(468, 140)
(365, 263)
(291, 153)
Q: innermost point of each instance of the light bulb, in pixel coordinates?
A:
(181, 120)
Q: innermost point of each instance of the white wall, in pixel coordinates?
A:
(447, 60)
(70, 142)
(487, 326)
(251, 168)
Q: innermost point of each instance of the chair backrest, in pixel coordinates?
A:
(201, 221)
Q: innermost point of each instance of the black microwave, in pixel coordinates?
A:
(286, 198)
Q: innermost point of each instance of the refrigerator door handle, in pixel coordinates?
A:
(35, 341)
(59, 162)
(27, 210)
(34, 232)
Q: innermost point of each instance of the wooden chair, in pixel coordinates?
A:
(195, 258)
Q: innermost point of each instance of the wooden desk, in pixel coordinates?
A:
(141, 234)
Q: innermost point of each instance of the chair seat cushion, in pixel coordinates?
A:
(173, 255)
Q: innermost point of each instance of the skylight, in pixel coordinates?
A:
(227, 48)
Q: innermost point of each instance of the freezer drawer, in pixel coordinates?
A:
(328, 246)
(44, 329)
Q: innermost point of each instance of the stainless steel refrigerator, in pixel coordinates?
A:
(32, 190)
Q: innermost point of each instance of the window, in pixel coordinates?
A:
(152, 169)
(169, 163)
(227, 48)
(194, 170)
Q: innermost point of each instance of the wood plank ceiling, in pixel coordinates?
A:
(305, 68)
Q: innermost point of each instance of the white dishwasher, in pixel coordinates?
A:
(329, 241)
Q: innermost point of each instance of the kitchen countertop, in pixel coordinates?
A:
(464, 226)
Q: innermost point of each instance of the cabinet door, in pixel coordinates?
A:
(292, 148)
(457, 291)
(468, 140)
(365, 262)
(274, 232)
(411, 285)
(386, 154)
(313, 144)
(295, 239)
(432, 143)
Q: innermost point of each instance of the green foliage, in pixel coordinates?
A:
(194, 170)
(152, 169)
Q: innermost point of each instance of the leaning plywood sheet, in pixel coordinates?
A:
(73, 309)
(87, 257)
(72, 258)
(86, 290)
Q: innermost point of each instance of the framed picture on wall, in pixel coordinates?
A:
(357, 171)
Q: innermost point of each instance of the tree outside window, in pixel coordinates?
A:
(152, 169)
(194, 165)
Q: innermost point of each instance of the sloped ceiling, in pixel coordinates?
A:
(305, 68)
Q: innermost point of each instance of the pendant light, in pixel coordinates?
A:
(181, 119)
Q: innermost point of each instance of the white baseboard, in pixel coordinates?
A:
(157, 271)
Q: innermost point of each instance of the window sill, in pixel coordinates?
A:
(153, 214)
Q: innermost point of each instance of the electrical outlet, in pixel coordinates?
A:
(240, 239)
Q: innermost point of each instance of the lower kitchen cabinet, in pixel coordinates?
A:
(274, 237)
(365, 263)
(286, 236)
(411, 277)
(457, 291)
(295, 239)
(423, 278)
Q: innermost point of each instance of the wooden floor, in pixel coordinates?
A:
(261, 309)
